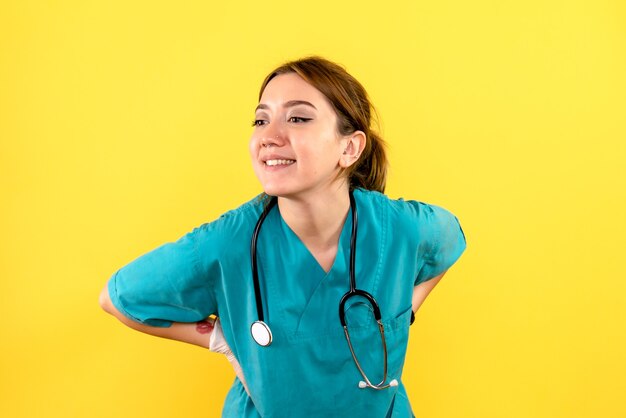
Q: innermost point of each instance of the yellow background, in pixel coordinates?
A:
(124, 125)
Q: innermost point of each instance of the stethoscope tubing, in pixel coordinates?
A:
(353, 290)
(261, 332)
(255, 273)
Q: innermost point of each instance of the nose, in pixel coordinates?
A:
(273, 135)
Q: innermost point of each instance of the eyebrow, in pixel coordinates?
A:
(290, 103)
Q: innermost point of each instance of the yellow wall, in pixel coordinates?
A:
(123, 125)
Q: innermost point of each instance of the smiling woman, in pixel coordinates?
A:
(351, 109)
(296, 147)
(324, 239)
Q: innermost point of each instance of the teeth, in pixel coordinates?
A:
(279, 162)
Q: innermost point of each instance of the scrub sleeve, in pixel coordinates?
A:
(168, 284)
(441, 239)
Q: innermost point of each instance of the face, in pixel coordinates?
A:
(295, 147)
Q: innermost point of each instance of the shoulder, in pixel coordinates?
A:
(407, 215)
(403, 209)
(418, 211)
(231, 224)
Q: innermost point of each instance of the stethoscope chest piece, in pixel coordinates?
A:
(261, 333)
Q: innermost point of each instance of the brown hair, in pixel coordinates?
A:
(354, 112)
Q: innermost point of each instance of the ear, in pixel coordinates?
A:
(353, 148)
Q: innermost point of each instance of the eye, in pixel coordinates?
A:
(258, 122)
(297, 119)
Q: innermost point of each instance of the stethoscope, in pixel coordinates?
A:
(261, 332)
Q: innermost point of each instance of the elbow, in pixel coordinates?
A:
(105, 300)
(107, 306)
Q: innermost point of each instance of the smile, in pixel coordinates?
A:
(279, 162)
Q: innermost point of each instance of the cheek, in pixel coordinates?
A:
(328, 153)
(253, 147)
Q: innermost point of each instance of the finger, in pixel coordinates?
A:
(204, 327)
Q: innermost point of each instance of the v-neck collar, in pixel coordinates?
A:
(344, 237)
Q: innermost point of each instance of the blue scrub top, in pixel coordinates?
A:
(308, 370)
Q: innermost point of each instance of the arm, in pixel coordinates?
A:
(198, 333)
(422, 290)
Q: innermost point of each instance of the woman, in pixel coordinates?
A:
(313, 149)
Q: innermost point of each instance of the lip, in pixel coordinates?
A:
(264, 158)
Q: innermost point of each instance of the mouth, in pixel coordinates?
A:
(272, 163)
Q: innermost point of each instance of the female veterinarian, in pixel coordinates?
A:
(310, 287)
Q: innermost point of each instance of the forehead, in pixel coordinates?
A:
(290, 86)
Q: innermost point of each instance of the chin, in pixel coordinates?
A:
(276, 191)
(279, 190)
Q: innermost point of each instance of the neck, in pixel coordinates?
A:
(317, 220)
